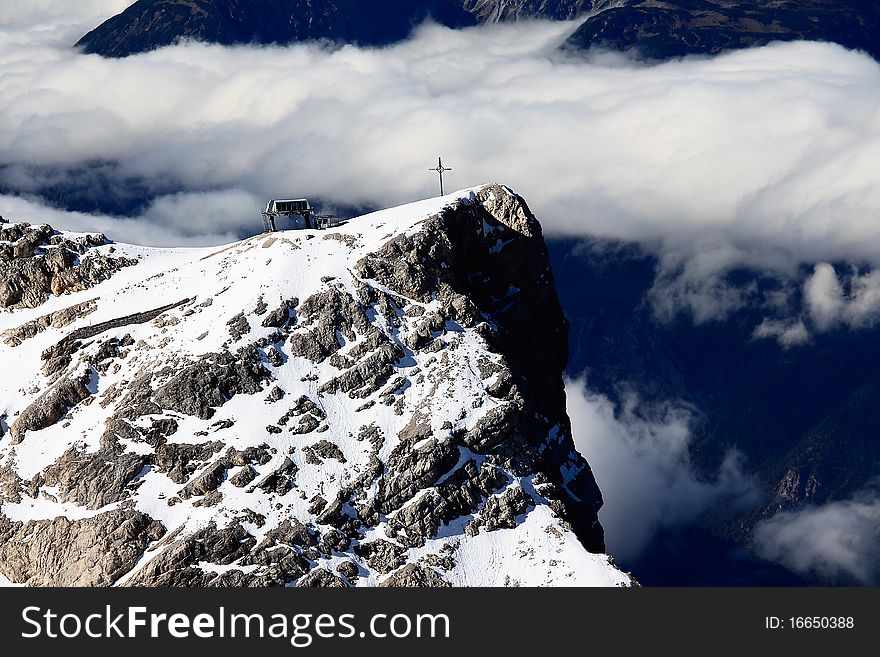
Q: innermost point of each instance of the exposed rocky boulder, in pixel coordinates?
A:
(503, 510)
(382, 556)
(321, 578)
(51, 406)
(93, 552)
(97, 479)
(178, 564)
(415, 576)
(201, 387)
(37, 261)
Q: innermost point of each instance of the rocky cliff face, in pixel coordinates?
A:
(380, 404)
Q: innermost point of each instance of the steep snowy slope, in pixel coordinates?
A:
(377, 404)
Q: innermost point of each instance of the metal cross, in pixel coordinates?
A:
(441, 170)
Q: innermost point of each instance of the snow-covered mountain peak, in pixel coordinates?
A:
(380, 403)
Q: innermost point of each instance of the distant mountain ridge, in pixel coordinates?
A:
(492, 11)
(663, 30)
(149, 24)
(657, 29)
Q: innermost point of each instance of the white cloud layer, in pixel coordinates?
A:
(765, 156)
(642, 467)
(835, 540)
(163, 222)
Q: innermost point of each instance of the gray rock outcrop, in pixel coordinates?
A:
(36, 261)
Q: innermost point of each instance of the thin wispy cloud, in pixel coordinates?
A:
(639, 455)
(838, 541)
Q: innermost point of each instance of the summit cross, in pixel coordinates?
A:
(441, 170)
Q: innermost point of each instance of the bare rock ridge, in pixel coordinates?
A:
(380, 404)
